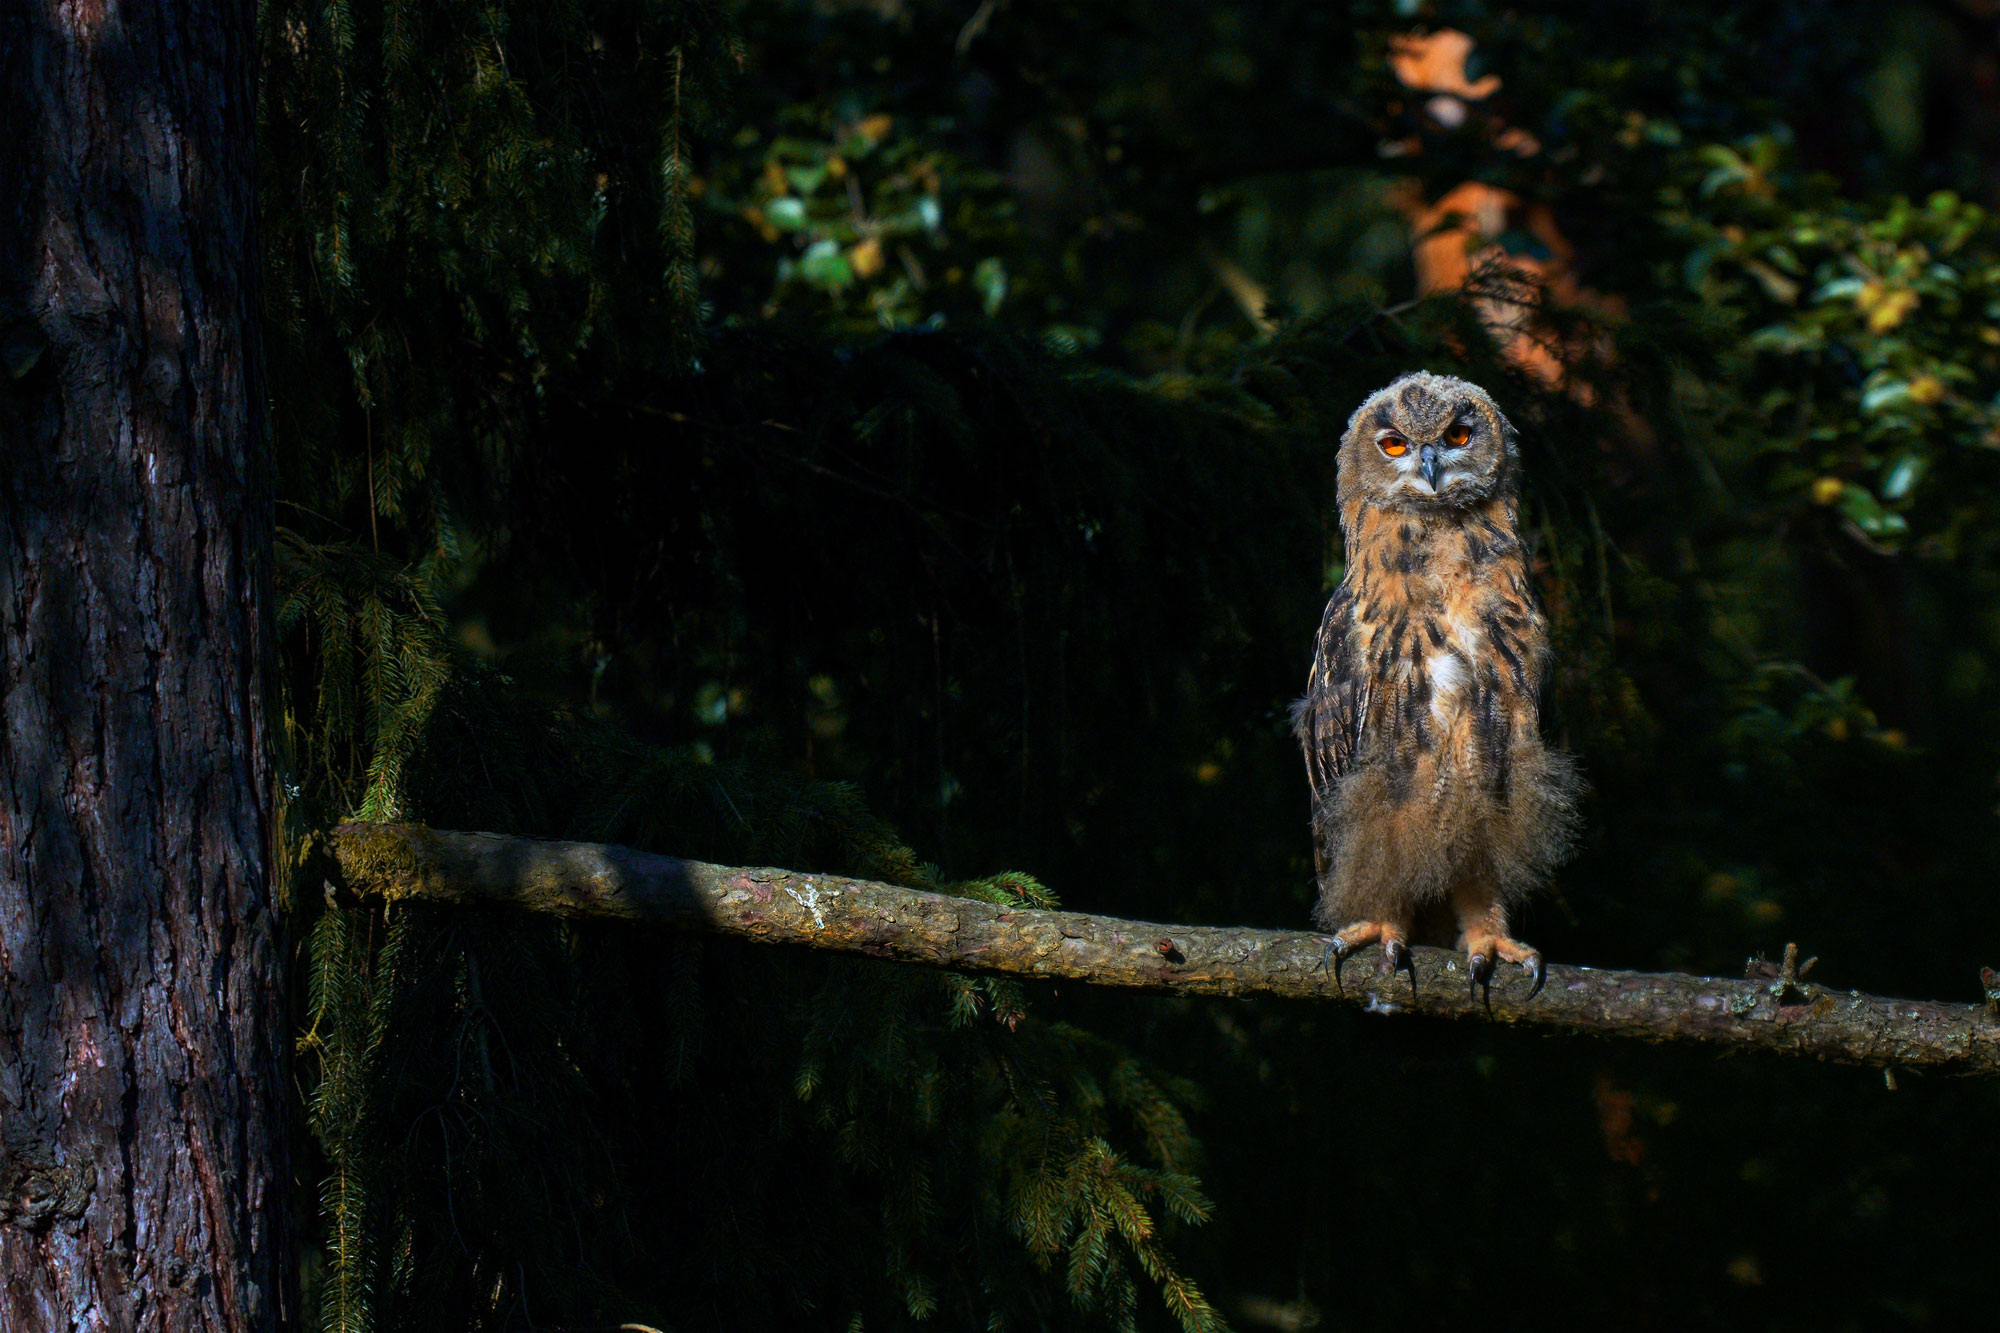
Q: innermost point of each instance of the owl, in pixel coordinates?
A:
(1436, 806)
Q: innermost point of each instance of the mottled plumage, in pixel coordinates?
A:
(1435, 803)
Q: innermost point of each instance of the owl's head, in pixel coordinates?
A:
(1427, 442)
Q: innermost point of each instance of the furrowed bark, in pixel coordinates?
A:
(143, 1034)
(399, 862)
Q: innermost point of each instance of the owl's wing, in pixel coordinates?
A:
(1328, 719)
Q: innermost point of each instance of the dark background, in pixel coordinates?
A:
(897, 438)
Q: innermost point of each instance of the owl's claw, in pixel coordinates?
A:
(1487, 945)
(1401, 958)
(1331, 958)
(1358, 935)
(1480, 970)
(1537, 969)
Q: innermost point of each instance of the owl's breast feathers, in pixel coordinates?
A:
(1421, 717)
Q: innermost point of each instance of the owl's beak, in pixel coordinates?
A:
(1428, 464)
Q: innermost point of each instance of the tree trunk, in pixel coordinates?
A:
(142, 1081)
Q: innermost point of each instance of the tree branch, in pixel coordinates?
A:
(399, 862)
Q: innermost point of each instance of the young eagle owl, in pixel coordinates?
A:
(1435, 804)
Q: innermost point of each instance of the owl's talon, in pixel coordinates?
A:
(1479, 969)
(1401, 959)
(1538, 969)
(1331, 958)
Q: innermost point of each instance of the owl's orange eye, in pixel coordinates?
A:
(1458, 435)
(1394, 445)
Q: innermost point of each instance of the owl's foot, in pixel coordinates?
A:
(1482, 951)
(1353, 939)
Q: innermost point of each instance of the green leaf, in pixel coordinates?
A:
(1867, 513)
(1783, 338)
(1903, 475)
(806, 179)
(825, 267)
(786, 213)
(1889, 393)
(989, 278)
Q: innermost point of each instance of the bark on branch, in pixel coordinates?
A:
(1785, 1015)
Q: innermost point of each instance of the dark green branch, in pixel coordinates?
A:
(859, 916)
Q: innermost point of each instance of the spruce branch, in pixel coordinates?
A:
(394, 861)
